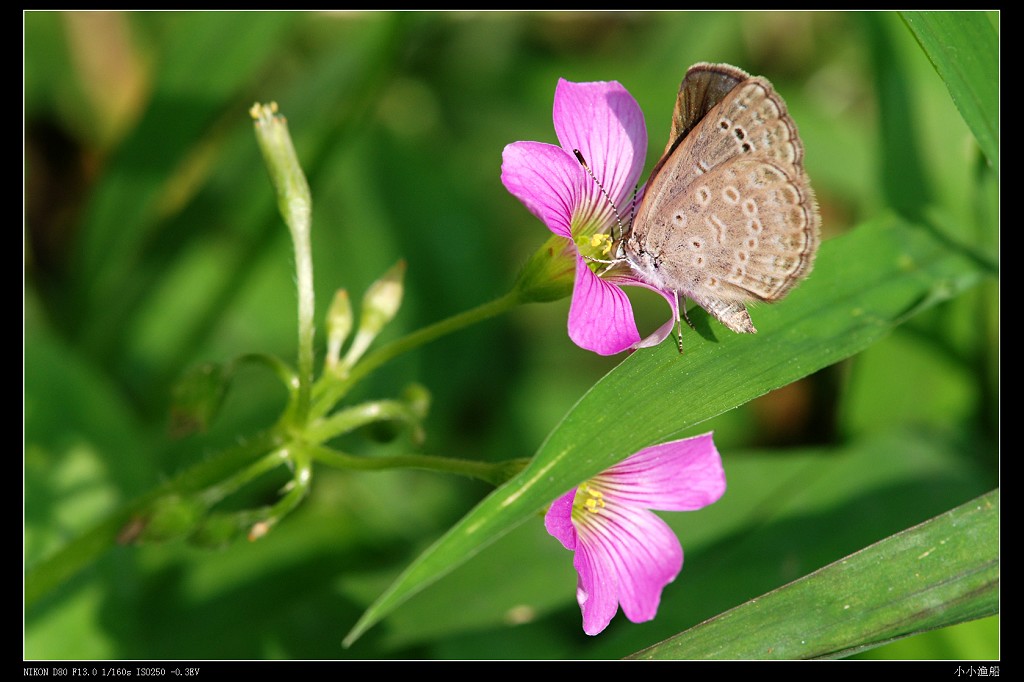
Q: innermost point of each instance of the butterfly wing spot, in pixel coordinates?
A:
(756, 226)
(793, 241)
(716, 224)
(746, 146)
(750, 207)
(731, 194)
(788, 195)
(763, 176)
(704, 195)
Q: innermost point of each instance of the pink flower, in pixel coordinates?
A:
(604, 123)
(624, 553)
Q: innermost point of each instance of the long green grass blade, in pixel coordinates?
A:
(964, 48)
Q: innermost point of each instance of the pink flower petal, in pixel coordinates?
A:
(600, 316)
(634, 555)
(597, 590)
(681, 475)
(604, 122)
(647, 557)
(662, 332)
(546, 179)
(558, 520)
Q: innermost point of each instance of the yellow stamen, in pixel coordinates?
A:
(603, 242)
(593, 500)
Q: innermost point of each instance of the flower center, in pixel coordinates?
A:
(596, 248)
(588, 499)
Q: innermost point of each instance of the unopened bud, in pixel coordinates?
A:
(380, 304)
(293, 198)
(339, 325)
(383, 299)
(417, 397)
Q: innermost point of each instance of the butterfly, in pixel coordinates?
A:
(728, 216)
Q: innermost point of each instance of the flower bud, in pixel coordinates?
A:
(275, 143)
(383, 299)
(339, 325)
(417, 397)
(380, 304)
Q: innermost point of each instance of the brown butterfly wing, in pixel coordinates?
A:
(704, 86)
(728, 215)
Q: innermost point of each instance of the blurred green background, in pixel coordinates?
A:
(152, 243)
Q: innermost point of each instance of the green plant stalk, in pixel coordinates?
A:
(360, 415)
(220, 490)
(304, 272)
(295, 204)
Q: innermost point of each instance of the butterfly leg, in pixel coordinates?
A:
(680, 316)
(680, 313)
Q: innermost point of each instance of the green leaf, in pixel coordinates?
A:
(964, 48)
(942, 572)
(865, 284)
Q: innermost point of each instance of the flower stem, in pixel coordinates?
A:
(333, 387)
(304, 272)
(352, 418)
(295, 205)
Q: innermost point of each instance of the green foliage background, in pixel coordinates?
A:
(153, 244)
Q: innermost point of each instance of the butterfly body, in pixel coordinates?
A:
(728, 216)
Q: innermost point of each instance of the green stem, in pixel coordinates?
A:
(331, 388)
(285, 373)
(352, 418)
(222, 489)
(494, 473)
(304, 272)
(295, 205)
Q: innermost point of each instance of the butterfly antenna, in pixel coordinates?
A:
(632, 207)
(618, 218)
